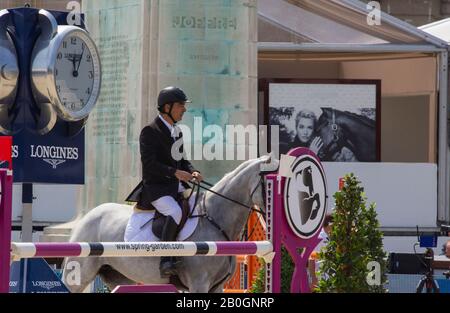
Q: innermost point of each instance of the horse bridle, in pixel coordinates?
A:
(334, 127)
(251, 208)
(263, 191)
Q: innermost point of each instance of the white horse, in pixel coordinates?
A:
(107, 223)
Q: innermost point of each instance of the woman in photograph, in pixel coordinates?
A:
(305, 126)
(306, 136)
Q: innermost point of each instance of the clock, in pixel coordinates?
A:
(66, 72)
(9, 74)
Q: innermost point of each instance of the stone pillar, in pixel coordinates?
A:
(206, 47)
(209, 48)
(121, 31)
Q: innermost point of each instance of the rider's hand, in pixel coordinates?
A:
(316, 145)
(197, 176)
(183, 175)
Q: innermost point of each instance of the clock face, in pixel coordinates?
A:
(74, 72)
(66, 73)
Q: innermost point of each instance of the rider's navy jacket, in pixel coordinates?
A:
(158, 165)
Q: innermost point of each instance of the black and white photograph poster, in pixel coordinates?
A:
(337, 121)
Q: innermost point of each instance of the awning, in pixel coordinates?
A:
(335, 22)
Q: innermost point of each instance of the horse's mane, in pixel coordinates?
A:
(226, 178)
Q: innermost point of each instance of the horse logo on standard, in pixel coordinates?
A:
(304, 197)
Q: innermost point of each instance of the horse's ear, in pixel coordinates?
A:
(326, 111)
(271, 157)
(269, 163)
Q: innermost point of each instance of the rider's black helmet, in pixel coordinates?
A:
(171, 94)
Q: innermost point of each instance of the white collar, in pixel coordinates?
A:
(171, 128)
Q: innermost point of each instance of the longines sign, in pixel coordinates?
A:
(41, 159)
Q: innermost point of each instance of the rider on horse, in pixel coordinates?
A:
(163, 177)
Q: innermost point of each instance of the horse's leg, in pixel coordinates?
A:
(131, 271)
(200, 284)
(78, 273)
(113, 278)
(204, 274)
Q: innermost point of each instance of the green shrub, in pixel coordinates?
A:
(354, 241)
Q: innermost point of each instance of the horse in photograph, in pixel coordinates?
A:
(340, 129)
(108, 222)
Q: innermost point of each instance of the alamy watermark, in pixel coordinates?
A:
(373, 278)
(72, 271)
(74, 16)
(235, 142)
(374, 16)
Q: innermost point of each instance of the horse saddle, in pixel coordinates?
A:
(160, 219)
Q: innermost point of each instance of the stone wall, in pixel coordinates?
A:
(206, 47)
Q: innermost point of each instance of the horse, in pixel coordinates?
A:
(108, 221)
(340, 129)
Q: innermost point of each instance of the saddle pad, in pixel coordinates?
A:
(134, 232)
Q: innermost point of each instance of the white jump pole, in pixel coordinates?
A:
(20, 250)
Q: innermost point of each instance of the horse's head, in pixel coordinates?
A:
(330, 131)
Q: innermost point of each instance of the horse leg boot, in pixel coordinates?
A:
(169, 233)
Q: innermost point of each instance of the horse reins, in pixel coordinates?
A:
(250, 207)
(209, 218)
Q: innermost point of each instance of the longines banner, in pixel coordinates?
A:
(48, 159)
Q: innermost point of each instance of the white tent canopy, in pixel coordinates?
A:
(439, 29)
(339, 30)
(337, 22)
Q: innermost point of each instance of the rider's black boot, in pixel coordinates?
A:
(167, 266)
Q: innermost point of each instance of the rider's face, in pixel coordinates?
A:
(305, 129)
(178, 110)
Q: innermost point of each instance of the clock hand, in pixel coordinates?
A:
(81, 57)
(73, 64)
(74, 72)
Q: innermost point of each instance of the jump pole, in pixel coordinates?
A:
(20, 250)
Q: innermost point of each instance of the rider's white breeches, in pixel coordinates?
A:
(168, 206)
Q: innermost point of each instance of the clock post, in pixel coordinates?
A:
(50, 80)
